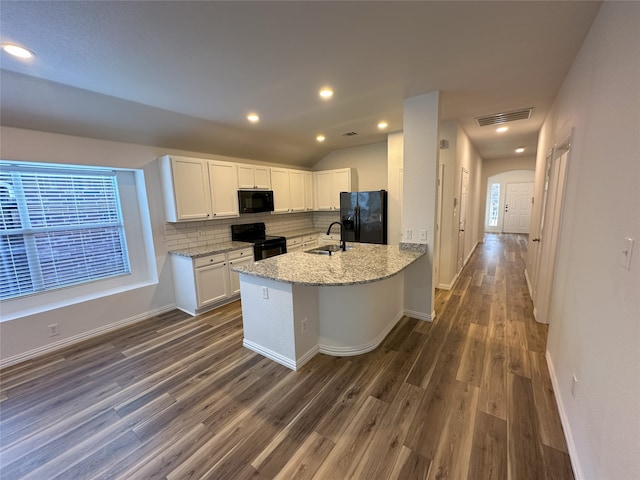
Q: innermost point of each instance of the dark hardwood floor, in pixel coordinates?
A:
(176, 397)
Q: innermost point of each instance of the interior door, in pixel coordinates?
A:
(547, 238)
(462, 224)
(437, 235)
(517, 208)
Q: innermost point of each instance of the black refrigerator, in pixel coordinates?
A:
(364, 216)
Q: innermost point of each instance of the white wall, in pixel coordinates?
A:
(394, 175)
(369, 162)
(420, 167)
(460, 154)
(594, 330)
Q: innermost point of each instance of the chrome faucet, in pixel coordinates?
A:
(343, 244)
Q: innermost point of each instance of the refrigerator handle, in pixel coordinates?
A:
(357, 223)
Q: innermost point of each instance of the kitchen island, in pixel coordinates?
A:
(299, 304)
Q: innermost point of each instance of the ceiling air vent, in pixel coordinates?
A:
(349, 134)
(499, 118)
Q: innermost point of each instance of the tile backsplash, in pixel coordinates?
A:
(211, 232)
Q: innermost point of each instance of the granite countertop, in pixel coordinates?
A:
(205, 250)
(365, 263)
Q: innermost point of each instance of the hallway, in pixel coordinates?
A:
(465, 397)
(517, 426)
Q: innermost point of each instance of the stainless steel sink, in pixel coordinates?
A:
(326, 249)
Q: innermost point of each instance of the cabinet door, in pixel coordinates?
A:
(323, 190)
(245, 177)
(223, 178)
(308, 191)
(212, 283)
(280, 185)
(250, 177)
(234, 277)
(296, 190)
(341, 183)
(190, 189)
(262, 178)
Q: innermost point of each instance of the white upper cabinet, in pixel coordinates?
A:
(281, 187)
(328, 185)
(289, 193)
(309, 189)
(296, 191)
(185, 188)
(198, 189)
(223, 179)
(253, 176)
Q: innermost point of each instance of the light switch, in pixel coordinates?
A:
(423, 235)
(625, 253)
(408, 233)
(265, 292)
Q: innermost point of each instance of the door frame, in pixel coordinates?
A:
(462, 221)
(557, 166)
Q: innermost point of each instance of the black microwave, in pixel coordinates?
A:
(255, 201)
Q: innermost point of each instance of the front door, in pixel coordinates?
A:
(517, 208)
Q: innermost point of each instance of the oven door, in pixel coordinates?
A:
(269, 249)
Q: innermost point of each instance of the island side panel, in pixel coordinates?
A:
(305, 309)
(355, 319)
(268, 323)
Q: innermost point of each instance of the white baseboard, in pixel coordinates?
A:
(52, 347)
(449, 286)
(564, 419)
(470, 253)
(420, 316)
(271, 355)
(526, 276)
(360, 349)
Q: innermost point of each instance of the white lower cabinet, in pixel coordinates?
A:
(239, 257)
(204, 282)
(305, 242)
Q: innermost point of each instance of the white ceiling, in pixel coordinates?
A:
(184, 75)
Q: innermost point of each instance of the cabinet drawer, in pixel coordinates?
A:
(208, 260)
(309, 238)
(245, 253)
(291, 242)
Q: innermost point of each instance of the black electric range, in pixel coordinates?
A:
(264, 246)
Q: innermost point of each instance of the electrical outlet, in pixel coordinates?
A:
(423, 235)
(408, 233)
(574, 384)
(305, 325)
(53, 329)
(265, 292)
(202, 234)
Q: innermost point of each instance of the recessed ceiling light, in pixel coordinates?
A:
(326, 93)
(17, 50)
(320, 138)
(519, 149)
(253, 117)
(502, 129)
(382, 125)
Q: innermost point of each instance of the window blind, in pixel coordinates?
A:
(59, 227)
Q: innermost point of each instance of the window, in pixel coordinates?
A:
(494, 204)
(59, 226)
